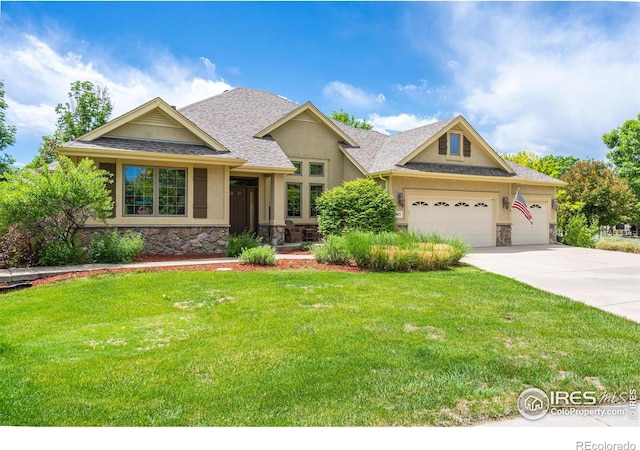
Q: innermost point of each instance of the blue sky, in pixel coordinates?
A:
(544, 77)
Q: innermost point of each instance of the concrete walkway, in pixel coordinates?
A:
(604, 279)
(34, 273)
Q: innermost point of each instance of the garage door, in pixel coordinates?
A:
(522, 233)
(472, 220)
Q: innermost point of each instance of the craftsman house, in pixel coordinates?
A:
(251, 160)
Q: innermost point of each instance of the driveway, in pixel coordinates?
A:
(604, 279)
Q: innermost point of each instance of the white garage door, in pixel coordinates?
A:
(522, 233)
(471, 220)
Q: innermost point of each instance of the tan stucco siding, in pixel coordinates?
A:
(305, 138)
(152, 132)
(350, 171)
(217, 198)
(479, 156)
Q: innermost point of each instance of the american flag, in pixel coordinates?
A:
(521, 205)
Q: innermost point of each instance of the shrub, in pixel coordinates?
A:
(333, 251)
(18, 248)
(261, 256)
(111, 247)
(241, 242)
(356, 205)
(305, 246)
(577, 233)
(60, 253)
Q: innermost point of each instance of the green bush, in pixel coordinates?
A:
(397, 252)
(60, 253)
(241, 242)
(356, 205)
(261, 256)
(333, 251)
(577, 233)
(111, 247)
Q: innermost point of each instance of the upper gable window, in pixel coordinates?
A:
(455, 141)
(316, 169)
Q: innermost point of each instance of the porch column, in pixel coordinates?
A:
(278, 212)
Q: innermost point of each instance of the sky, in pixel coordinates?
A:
(545, 77)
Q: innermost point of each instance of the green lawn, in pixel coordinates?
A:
(298, 348)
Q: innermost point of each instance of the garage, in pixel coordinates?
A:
(522, 233)
(467, 218)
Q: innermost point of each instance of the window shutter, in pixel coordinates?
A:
(466, 149)
(442, 145)
(111, 187)
(199, 193)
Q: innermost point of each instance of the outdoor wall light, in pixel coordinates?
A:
(554, 204)
(401, 198)
(505, 202)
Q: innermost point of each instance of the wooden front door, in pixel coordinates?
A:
(243, 209)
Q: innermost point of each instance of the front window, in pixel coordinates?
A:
(294, 199)
(454, 144)
(315, 191)
(155, 191)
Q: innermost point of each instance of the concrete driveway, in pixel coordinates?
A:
(604, 279)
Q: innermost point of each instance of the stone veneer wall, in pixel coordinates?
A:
(503, 235)
(553, 233)
(185, 240)
(269, 232)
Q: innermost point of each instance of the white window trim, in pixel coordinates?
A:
(449, 156)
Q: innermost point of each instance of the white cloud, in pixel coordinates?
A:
(37, 77)
(348, 96)
(542, 78)
(400, 122)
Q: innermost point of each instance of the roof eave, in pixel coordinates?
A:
(150, 156)
(456, 176)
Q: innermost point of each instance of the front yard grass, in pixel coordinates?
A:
(293, 348)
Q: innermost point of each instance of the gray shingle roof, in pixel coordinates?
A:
(150, 146)
(234, 117)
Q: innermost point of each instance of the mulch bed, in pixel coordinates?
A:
(282, 264)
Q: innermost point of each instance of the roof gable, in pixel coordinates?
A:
(305, 112)
(155, 113)
(459, 123)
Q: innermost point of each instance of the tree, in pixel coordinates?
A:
(356, 205)
(344, 117)
(553, 165)
(89, 107)
(624, 143)
(52, 206)
(595, 190)
(7, 137)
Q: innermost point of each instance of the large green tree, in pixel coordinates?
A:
(553, 165)
(624, 143)
(7, 137)
(596, 191)
(89, 106)
(344, 117)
